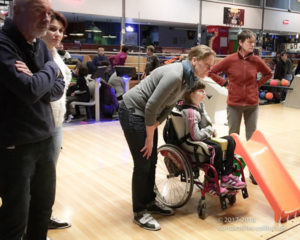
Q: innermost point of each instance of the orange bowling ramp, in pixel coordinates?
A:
(275, 182)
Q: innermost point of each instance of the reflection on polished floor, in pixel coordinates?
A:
(94, 188)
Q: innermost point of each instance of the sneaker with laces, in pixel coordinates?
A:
(146, 221)
(158, 208)
(55, 223)
(212, 189)
(231, 181)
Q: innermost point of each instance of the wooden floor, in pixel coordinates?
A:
(94, 188)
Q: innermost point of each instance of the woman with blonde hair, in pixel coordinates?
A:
(143, 108)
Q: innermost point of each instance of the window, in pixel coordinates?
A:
(277, 4)
(295, 5)
(249, 2)
(226, 1)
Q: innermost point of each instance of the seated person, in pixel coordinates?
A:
(108, 101)
(198, 125)
(107, 72)
(298, 68)
(120, 58)
(65, 55)
(283, 69)
(79, 91)
(100, 57)
(97, 61)
(119, 84)
(72, 85)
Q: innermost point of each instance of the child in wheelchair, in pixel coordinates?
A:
(198, 127)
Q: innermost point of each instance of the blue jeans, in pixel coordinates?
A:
(27, 189)
(289, 77)
(143, 178)
(57, 141)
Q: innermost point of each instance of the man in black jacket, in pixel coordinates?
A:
(283, 69)
(29, 81)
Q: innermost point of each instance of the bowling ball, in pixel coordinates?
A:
(285, 83)
(274, 82)
(269, 96)
(262, 95)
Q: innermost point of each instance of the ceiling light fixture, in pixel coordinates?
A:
(93, 28)
(109, 36)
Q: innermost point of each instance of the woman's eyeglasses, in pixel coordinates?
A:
(201, 91)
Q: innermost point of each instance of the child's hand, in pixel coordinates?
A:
(215, 133)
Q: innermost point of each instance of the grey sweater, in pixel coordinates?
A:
(197, 123)
(156, 95)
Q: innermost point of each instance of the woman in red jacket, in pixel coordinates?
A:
(241, 69)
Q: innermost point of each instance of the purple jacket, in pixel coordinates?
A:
(118, 59)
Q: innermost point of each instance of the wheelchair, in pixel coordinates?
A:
(179, 168)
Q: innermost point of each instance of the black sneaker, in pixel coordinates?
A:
(57, 224)
(146, 221)
(158, 208)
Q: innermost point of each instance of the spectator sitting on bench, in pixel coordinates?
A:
(65, 55)
(100, 57)
(108, 101)
(97, 61)
(120, 58)
(107, 72)
(119, 84)
(79, 91)
(298, 68)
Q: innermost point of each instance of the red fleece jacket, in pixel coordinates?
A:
(242, 74)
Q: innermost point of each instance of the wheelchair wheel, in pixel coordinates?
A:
(174, 177)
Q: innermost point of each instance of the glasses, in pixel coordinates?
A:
(201, 91)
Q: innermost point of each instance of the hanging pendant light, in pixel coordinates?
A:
(93, 28)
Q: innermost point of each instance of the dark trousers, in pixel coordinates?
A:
(143, 178)
(27, 189)
(69, 100)
(234, 117)
(223, 166)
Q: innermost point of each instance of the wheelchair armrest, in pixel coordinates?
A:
(223, 142)
(200, 144)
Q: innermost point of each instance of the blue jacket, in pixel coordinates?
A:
(26, 115)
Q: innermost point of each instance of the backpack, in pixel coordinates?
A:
(169, 133)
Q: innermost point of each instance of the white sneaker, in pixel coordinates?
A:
(146, 221)
(70, 117)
